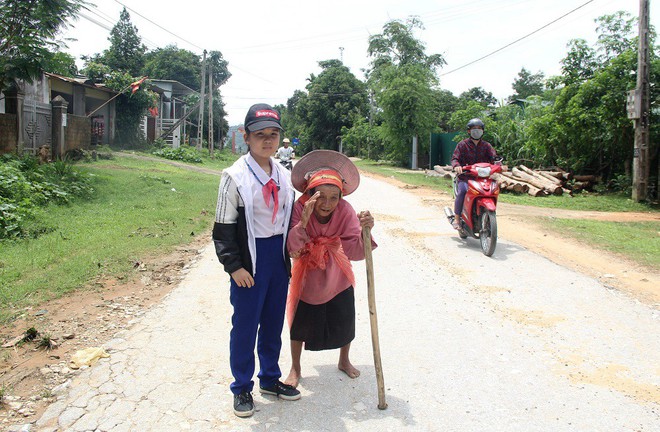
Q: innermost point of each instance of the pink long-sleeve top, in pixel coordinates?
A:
(320, 286)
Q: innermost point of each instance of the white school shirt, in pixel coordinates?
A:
(263, 215)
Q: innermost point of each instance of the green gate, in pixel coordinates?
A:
(442, 148)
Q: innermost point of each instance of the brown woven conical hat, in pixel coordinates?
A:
(323, 159)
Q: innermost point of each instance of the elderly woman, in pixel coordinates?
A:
(324, 236)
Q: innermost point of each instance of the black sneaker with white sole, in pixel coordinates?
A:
(282, 391)
(243, 404)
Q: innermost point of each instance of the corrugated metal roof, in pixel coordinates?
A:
(83, 81)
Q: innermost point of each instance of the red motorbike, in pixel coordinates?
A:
(478, 220)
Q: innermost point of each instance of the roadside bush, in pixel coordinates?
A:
(25, 186)
(184, 154)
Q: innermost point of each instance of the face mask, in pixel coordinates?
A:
(476, 133)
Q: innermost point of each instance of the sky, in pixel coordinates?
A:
(273, 47)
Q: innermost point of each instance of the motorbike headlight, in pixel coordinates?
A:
(483, 171)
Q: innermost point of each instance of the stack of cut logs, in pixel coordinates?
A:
(536, 183)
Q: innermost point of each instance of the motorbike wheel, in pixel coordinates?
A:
(488, 232)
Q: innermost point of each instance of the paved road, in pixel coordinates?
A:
(469, 343)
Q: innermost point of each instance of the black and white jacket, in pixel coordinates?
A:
(233, 231)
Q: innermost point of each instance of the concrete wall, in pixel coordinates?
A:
(7, 133)
(78, 132)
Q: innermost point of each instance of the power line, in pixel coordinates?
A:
(159, 26)
(517, 40)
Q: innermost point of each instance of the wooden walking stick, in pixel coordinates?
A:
(373, 318)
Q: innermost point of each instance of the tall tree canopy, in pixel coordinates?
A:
(479, 95)
(403, 78)
(27, 32)
(219, 68)
(527, 84)
(587, 128)
(126, 52)
(174, 63)
(333, 98)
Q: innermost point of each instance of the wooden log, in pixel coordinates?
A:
(536, 182)
(552, 183)
(514, 184)
(556, 174)
(447, 174)
(536, 192)
(585, 178)
(550, 177)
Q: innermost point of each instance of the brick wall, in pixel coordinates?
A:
(78, 132)
(7, 133)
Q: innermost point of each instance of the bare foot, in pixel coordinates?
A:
(348, 369)
(294, 378)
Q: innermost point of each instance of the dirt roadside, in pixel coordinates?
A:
(91, 317)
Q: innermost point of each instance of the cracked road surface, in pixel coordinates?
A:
(468, 343)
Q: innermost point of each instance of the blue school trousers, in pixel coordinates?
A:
(259, 317)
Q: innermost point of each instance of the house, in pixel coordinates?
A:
(58, 112)
(171, 108)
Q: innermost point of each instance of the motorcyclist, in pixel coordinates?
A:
(469, 151)
(285, 153)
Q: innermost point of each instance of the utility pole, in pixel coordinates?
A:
(200, 119)
(210, 113)
(642, 108)
(413, 164)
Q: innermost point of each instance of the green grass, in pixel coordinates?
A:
(639, 241)
(581, 201)
(139, 209)
(221, 159)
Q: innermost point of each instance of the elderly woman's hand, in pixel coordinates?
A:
(365, 218)
(308, 209)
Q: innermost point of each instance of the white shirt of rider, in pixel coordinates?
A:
(285, 153)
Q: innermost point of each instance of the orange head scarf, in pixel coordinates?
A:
(321, 177)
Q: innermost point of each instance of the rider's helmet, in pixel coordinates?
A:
(285, 141)
(475, 128)
(475, 122)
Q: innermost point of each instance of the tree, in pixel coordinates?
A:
(616, 35)
(527, 84)
(332, 98)
(479, 95)
(27, 32)
(294, 116)
(403, 79)
(580, 62)
(126, 52)
(60, 63)
(173, 63)
(219, 68)
(130, 107)
(445, 104)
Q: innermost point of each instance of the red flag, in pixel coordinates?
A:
(153, 111)
(136, 85)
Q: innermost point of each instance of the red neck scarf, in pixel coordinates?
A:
(269, 189)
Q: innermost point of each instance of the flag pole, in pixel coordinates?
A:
(114, 97)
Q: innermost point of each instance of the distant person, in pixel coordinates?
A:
(285, 154)
(325, 235)
(251, 224)
(470, 151)
(286, 151)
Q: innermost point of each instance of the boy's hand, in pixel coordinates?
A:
(243, 278)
